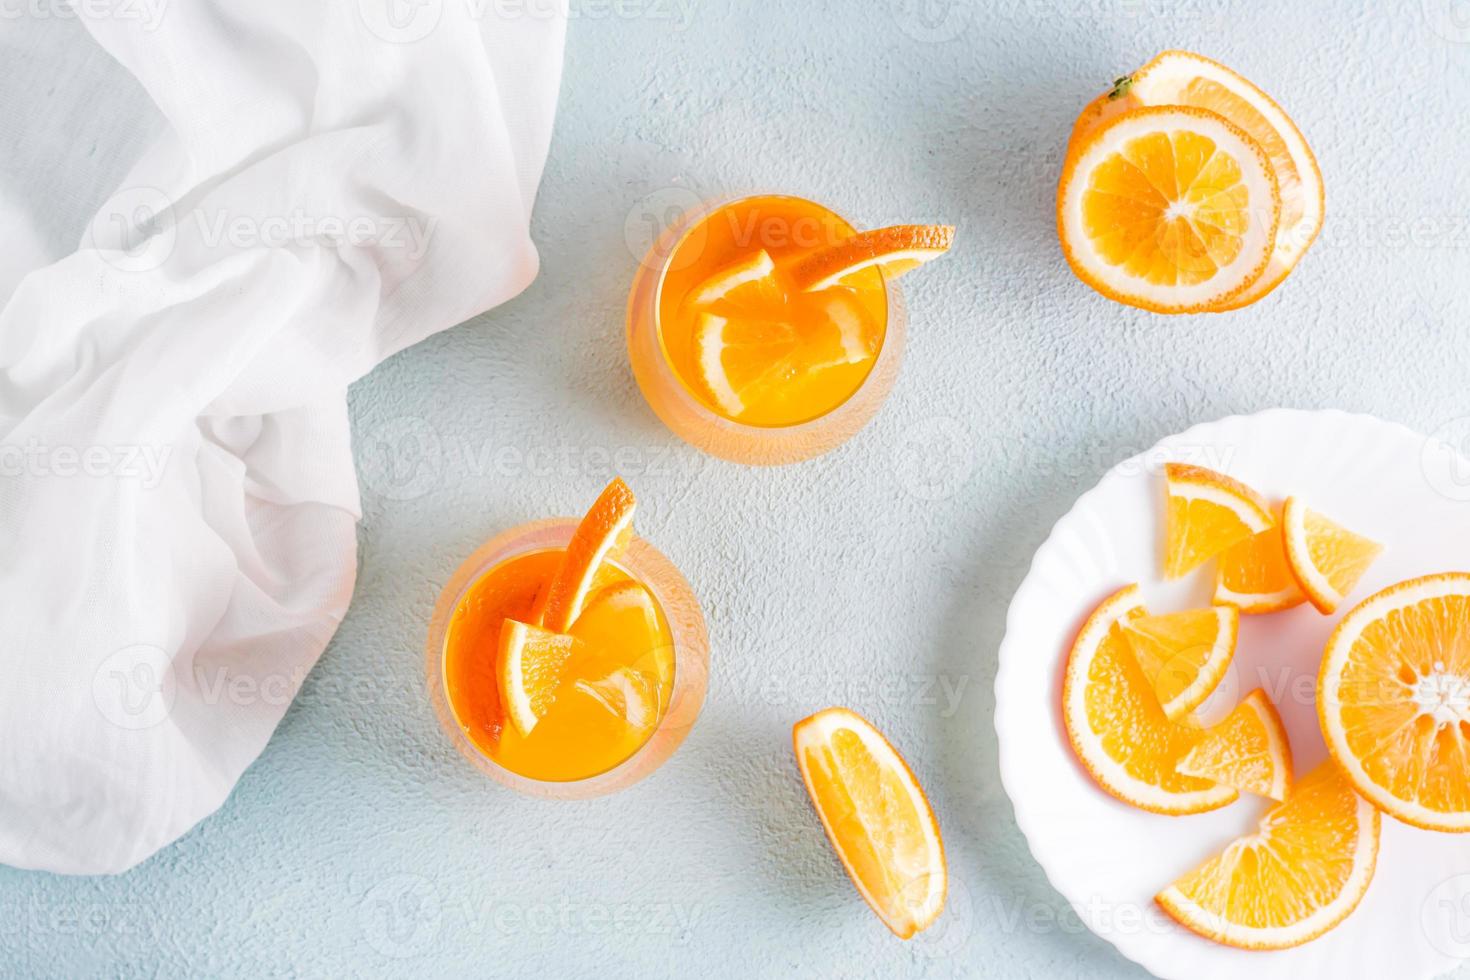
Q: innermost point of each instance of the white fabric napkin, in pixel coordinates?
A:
(215, 215)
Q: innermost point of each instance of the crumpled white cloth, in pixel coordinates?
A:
(215, 215)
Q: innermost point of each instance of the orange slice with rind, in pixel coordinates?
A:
(876, 816)
(1326, 559)
(1255, 577)
(1248, 750)
(894, 251)
(1188, 79)
(529, 668)
(1117, 728)
(1172, 209)
(602, 533)
(1206, 513)
(1184, 654)
(754, 270)
(1393, 698)
(747, 362)
(627, 609)
(1301, 874)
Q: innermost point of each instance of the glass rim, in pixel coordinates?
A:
(689, 638)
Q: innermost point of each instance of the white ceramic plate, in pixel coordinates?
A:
(1109, 859)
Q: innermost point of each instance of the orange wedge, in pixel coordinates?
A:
(1298, 876)
(1248, 750)
(894, 251)
(529, 671)
(1117, 728)
(750, 366)
(1171, 209)
(606, 529)
(1326, 559)
(876, 816)
(1254, 576)
(620, 612)
(1206, 513)
(1393, 696)
(752, 274)
(1184, 655)
(1183, 78)
(629, 695)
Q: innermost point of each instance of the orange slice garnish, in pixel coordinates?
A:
(1254, 576)
(876, 816)
(620, 612)
(629, 695)
(750, 366)
(1325, 558)
(606, 529)
(1118, 729)
(1248, 750)
(1393, 696)
(529, 669)
(1170, 209)
(1206, 512)
(1184, 655)
(1187, 79)
(752, 274)
(1299, 875)
(893, 250)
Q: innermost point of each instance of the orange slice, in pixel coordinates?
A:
(1326, 559)
(1298, 876)
(606, 529)
(1254, 576)
(1117, 728)
(529, 671)
(754, 273)
(618, 614)
(876, 816)
(746, 364)
(1170, 209)
(1393, 696)
(629, 695)
(1206, 513)
(893, 250)
(1248, 750)
(1187, 79)
(1184, 655)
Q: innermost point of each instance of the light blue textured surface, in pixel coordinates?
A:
(877, 576)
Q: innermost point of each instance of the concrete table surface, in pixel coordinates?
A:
(877, 576)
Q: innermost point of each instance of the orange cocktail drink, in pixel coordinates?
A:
(568, 659)
(768, 330)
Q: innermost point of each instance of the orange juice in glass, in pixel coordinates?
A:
(568, 659)
(768, 330)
